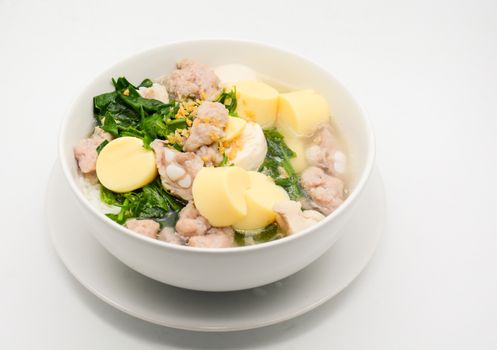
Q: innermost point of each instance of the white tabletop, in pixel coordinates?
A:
(427, 73)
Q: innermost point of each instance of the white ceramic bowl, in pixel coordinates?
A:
(231, 268)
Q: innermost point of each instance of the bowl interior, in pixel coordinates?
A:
(281, 66)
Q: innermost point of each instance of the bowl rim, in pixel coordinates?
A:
(354, 194)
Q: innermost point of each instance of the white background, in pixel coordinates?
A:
(427, 73)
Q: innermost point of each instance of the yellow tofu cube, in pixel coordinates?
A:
(302, 111)
(257, 101)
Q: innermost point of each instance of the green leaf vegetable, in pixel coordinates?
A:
(102, 145)
(150, 202)
(228, 99)
(266, 234)
(124, 112)
(277, 164)
(224, 162)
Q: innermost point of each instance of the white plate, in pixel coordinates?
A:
(137, 295)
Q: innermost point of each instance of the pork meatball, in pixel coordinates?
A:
(85, 151)
(323, 149)
(192, 80)
(216, 237)
(325, 192)
(191, 223)
(208, 127)
(147, 227)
